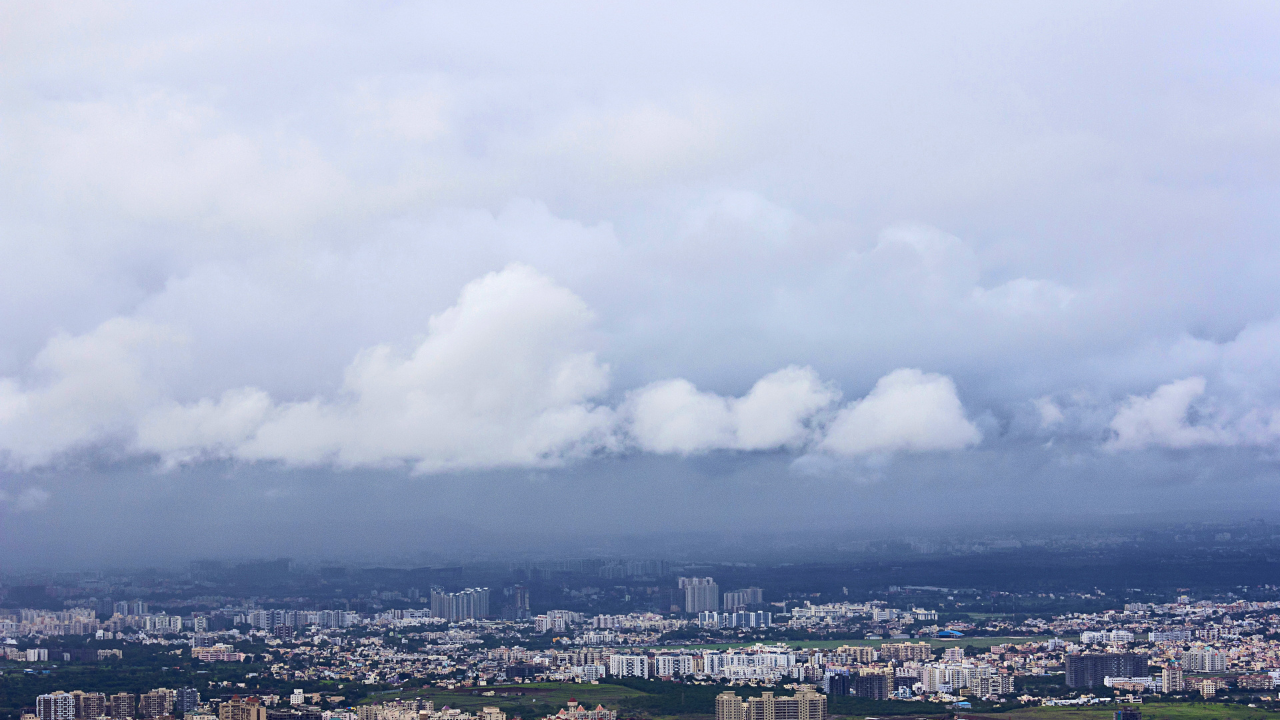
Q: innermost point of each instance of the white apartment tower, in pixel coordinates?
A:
(700, 594)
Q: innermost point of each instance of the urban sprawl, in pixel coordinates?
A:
(454, 641)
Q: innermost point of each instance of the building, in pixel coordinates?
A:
(1128, 713)
(242, 709)
(470, 604)
(1256, 682)
(1171, 679)
(90, 705)
(935, 678)
(589, 672)
(758, 663)
(1106, 636)
(1090, 669)
(739, 619)
(576, 711)
(730, 707)
(56, 706)
(872, 685)
(743, 598)
(906, 651)
(218, 653)
(847, 654)
(124, 705)
(1204, 659)
(520, 602)
(700, 594)
(1208, 687)
(806, 704)
(186, 699)
(1178, 636)
(988, 685)
(156, 704)
(629, 666)
(672, 665)
(837, 683)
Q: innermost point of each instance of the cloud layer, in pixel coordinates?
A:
(502, 378)
(582, 242)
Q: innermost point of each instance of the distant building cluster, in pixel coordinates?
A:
(904, 653)
(470, 604)
(78, 705)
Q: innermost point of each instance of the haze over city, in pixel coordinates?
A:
(412, 281)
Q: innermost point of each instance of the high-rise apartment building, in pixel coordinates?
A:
(629, 666)
(242, 709)
(700, 594)
(89, 705)
(743, 598)
(987, 685)
(1171, 679)
(470, 604)
(1089, 669)
(1204, 659)
(56, 706)
(730, 707)
(906, 651)
(124, 705)
(156, 704)
(520, 599)
(806, 704)
(186, 699)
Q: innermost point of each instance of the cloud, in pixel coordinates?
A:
(33, 498)
(500, 380)
(88, 389)
(907, 410)
(1049, 412)
(158, 157)
(673, 416)
(503, 378)
(206, 428)
(1161, 420)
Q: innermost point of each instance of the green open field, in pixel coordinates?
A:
(1150, 711)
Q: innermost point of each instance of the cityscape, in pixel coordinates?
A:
(608, 636)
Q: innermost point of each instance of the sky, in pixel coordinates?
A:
(330, 279)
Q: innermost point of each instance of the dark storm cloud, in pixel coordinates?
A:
(872, 256)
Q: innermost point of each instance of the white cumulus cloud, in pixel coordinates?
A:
(1161, 420)
(504, 378)
(86, 389)
(673, 416)
(500, 380)
(907, 410)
